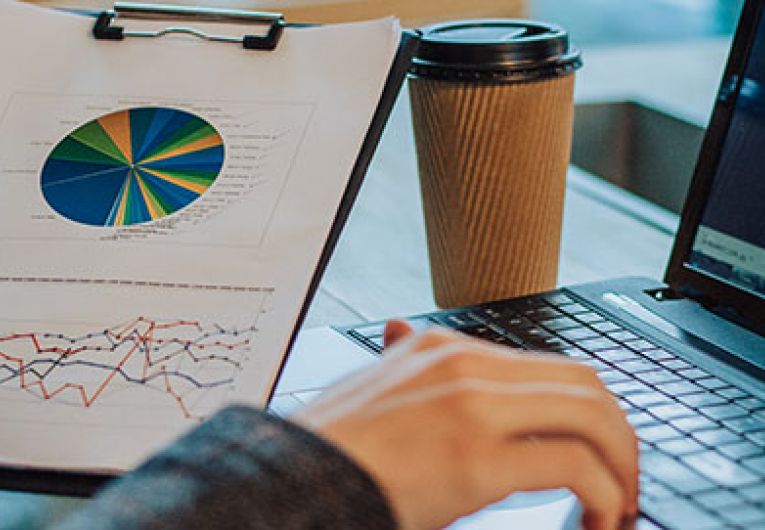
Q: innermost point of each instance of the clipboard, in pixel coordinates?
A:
(106, 27)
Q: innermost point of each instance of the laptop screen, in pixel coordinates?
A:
(729, 244)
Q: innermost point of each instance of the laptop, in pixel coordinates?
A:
(685, 356)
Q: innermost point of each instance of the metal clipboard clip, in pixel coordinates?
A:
(105, 29)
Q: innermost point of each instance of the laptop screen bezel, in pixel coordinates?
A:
(747, 307)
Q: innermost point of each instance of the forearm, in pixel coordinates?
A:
(241, 469)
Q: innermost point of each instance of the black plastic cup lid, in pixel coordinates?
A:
(504, 50)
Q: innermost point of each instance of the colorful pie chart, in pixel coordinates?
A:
(133, 166)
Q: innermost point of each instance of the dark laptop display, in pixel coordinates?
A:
(719, 254)
(730, 242)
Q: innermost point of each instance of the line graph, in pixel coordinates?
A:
(191, 363)
(100, 374)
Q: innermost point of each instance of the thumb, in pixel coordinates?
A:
(395, 330)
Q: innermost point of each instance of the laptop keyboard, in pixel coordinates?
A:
(702, 439)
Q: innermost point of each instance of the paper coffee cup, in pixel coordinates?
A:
(492, 104)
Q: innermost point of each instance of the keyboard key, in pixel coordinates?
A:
(744, 515)
(658, 433)
(716, 500)
(551, 345)
(657, 377)
(755, 494)
(694, 424)
(601, 343)
(751, 404)
(480, 332)
(641, 345)
(681, 446)
(716, 437)
(720, 469)
(533, 333)
(679, 388)
(521, 304)
(658, 355)
(676, 364)
(702, 400)
(732, 393)
(756, 464)
(508, 340)
(679, 514)
(646, 400)
(656, 490)
(746, 424)
(589, 318)
(578, 334)
(723, 412)
(596, 364)
(606, 327)
(641, 419)
(573, 309)
(515, 323)
(693, 374)
(740, 450)
(679, 477)
(629, 387)
(554, 345)
(558, 324)
(457, 320)
(712, 383)
(543, 313)
(757, 437)
(672, 411)
(623, 335)
(640, 365)
(618, 355)
(576, 353)
(613, 376)
(491, 313)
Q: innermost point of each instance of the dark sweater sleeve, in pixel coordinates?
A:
(241, 469)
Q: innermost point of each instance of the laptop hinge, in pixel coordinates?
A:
(665, 294)
(669, 294)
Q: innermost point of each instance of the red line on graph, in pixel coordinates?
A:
(141, 332)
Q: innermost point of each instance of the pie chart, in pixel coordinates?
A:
(133, 166)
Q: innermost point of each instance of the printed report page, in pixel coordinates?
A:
(163, 207)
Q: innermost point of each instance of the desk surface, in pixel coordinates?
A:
(380, 268)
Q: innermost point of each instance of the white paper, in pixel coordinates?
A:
(116, 339)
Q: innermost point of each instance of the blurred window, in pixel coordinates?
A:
(595, 22)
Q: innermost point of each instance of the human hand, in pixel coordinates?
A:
(447, 424)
